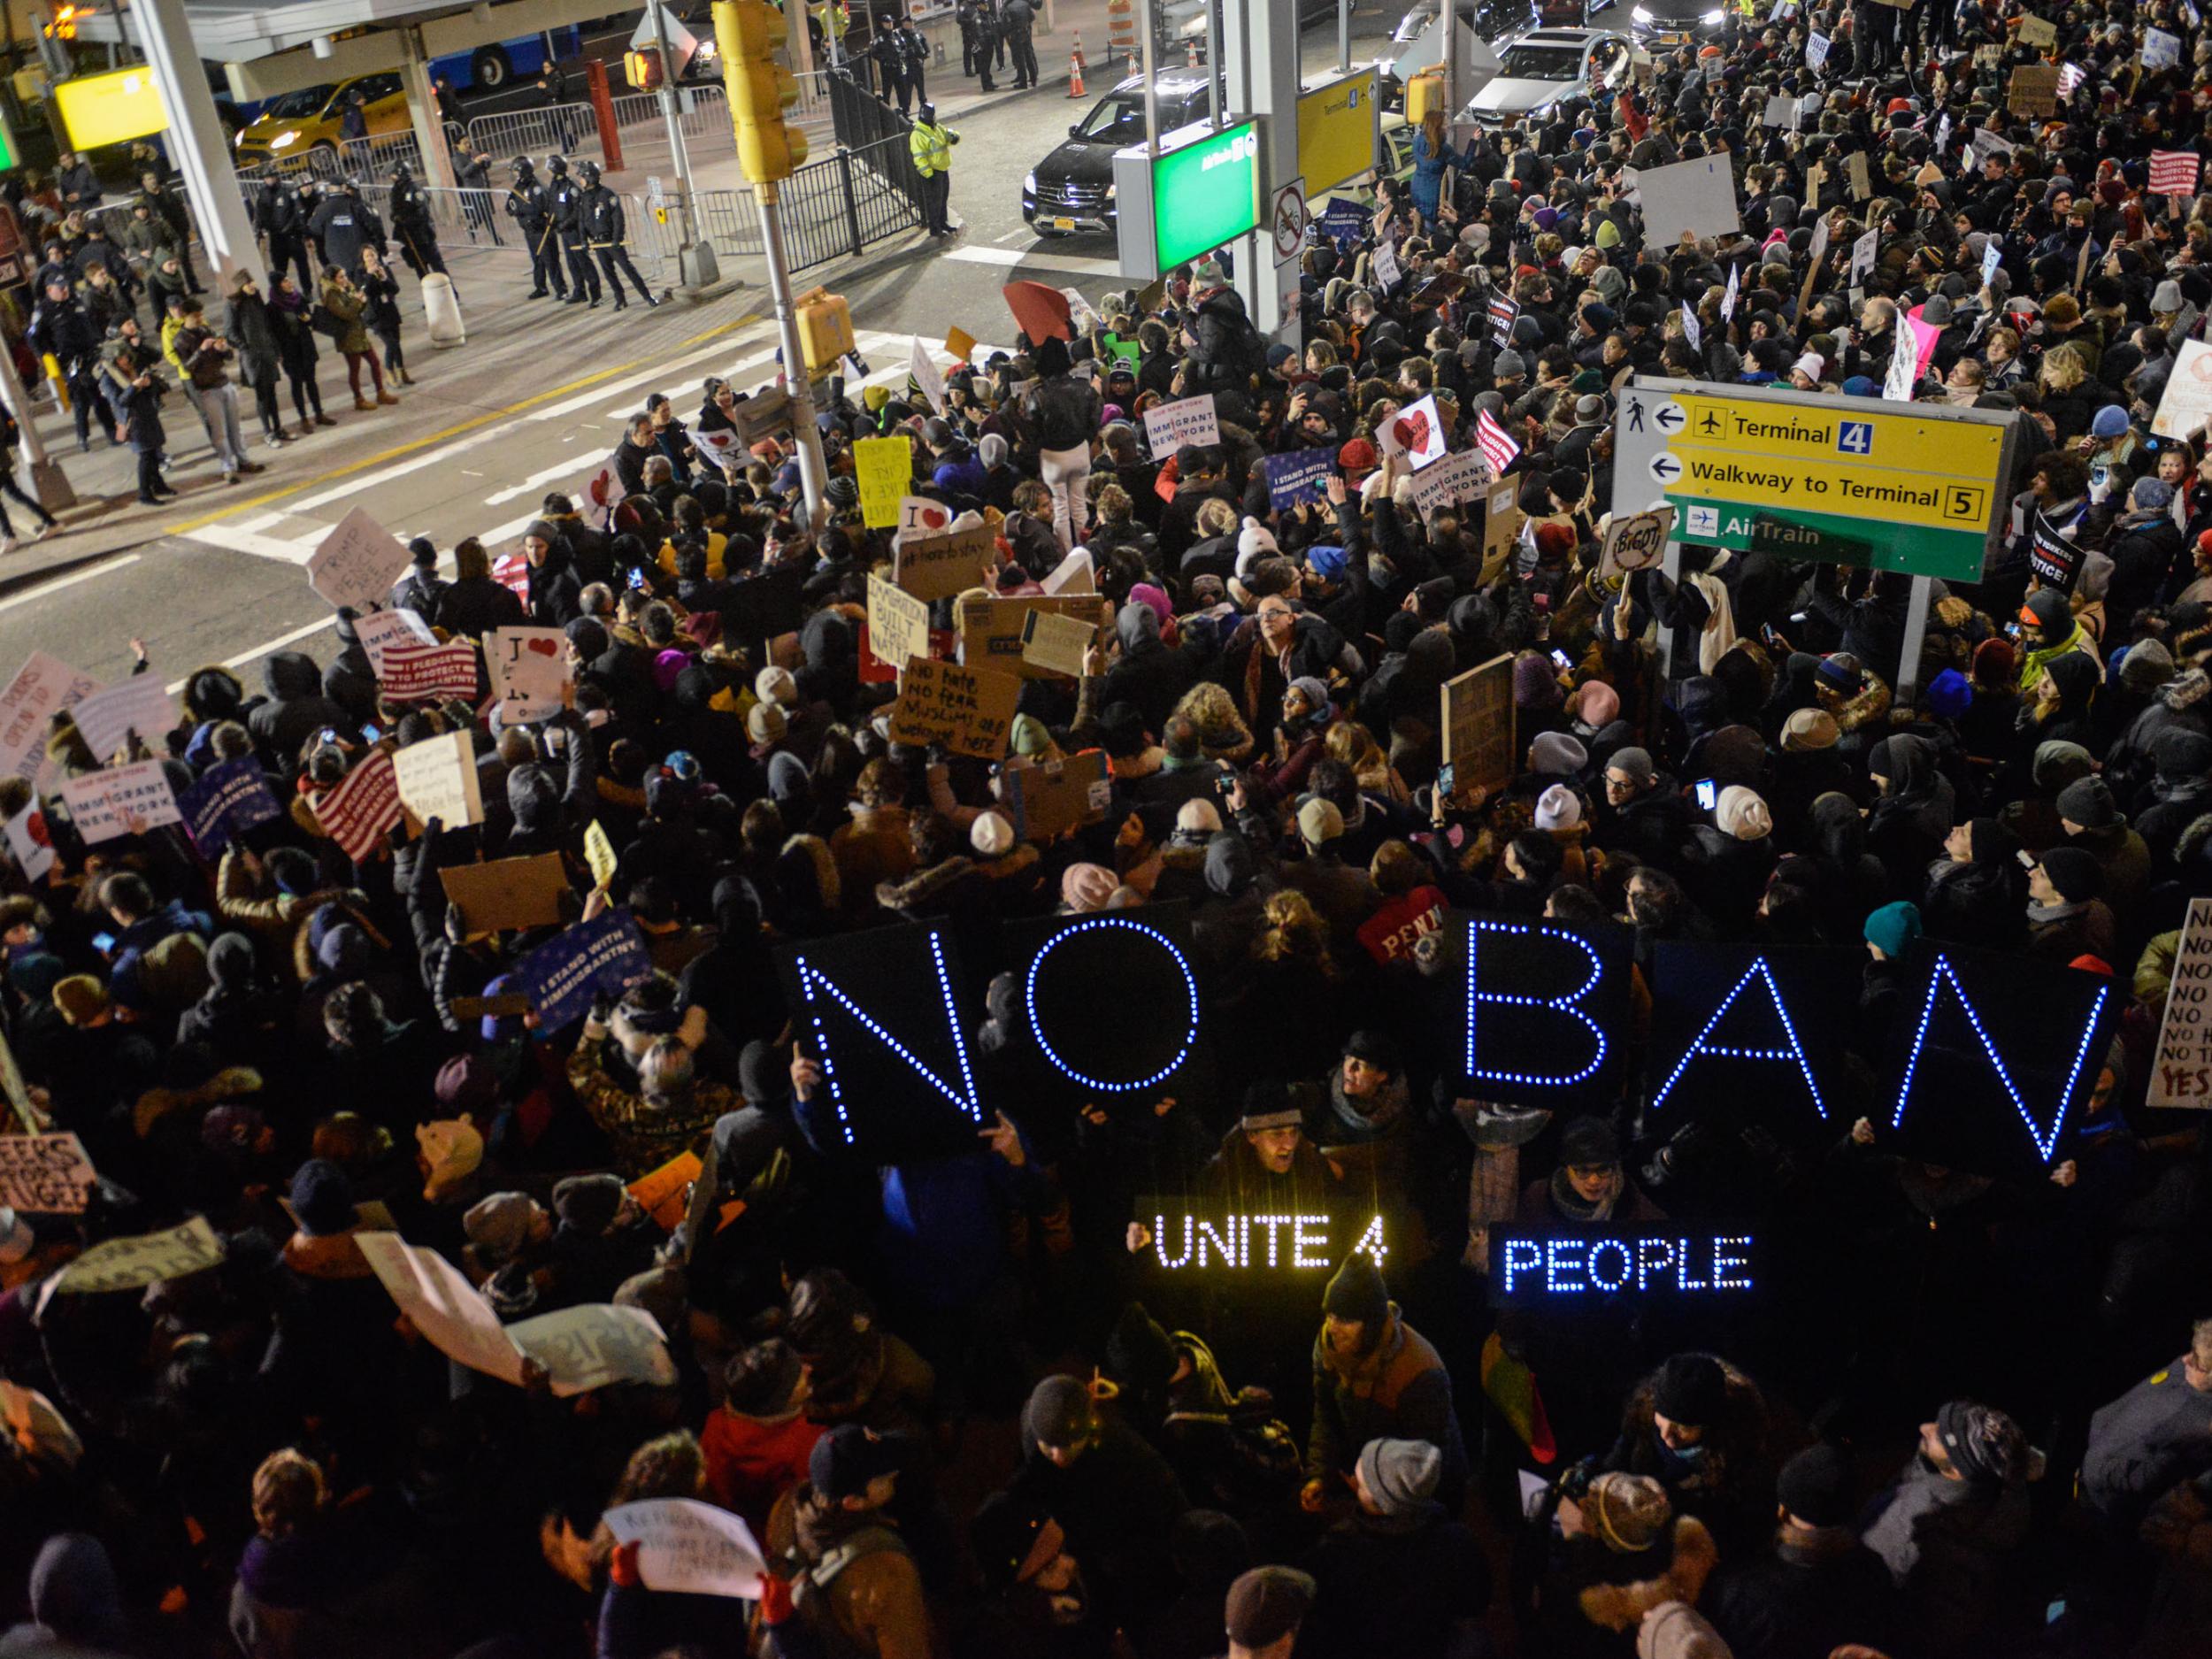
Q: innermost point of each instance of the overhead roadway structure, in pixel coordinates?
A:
(288, 44)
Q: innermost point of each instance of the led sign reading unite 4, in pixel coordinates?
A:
(1265, 1243)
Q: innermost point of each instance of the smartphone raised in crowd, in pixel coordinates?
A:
(1706, 793)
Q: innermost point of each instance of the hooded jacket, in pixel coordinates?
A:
(295, 710)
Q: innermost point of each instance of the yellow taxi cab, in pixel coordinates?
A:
(296, 124)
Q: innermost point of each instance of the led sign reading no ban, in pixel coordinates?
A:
(1987, 1079)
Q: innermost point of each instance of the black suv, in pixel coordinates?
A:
(1072, 188)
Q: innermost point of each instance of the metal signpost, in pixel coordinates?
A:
(1914, 488)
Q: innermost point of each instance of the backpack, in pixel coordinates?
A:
(810, 1586)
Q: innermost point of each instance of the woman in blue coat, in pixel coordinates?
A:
(1432, 153)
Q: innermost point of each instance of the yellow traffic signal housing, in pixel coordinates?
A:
(747, 33)
(825, 329)
(642, 68)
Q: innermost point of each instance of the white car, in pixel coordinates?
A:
(1548, 65)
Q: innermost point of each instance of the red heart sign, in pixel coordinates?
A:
(544, 647)
(1412, 430)
(934, 518)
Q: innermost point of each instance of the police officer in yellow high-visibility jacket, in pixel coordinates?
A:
(931, 146)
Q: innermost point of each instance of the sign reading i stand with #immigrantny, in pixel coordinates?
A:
(1205, 193)
(1912, 488)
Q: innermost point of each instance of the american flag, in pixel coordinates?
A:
(2069, 76)
(1495, 442)
(2174, 172)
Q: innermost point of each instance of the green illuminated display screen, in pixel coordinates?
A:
(1205, 193)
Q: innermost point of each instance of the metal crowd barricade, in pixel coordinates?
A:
(555, 129)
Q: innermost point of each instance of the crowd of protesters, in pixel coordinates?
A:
(954, 1403)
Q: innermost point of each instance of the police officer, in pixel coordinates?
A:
(344, 225)
(530, 204)
(568, 221)
(60, 329)
(931, 146)
(602, 212)
(911, 51)
(280, 216)
(412, 224)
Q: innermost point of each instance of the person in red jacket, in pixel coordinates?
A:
(757, 1441)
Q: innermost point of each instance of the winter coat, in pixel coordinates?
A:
(295, 709)
(1818, 1589)
(2142, 1445)
(473, 605)
(349, 305)
(252, 334)
(865, 1595)
(1947, 1544)
(342, 226)
(1393, 1584)
(1400, 1391)
(1063, 413)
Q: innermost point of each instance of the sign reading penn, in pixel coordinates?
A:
(1109, 1013)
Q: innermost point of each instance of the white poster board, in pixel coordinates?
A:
(121, 801)
(1168, 427)
(528, 668)
(141, 704)
(437, 778)
(1697, 196)
(357, 564)
(2187, 403)
(2181, 1074)
(452, 1316)
(688, 1547)
(42, 688)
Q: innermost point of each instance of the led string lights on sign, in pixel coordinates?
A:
(810, 977)
(2045, 1141)
(1230, 1239)
(1566, 1005)
(1574, 1266)
(1795, 1051)
(1044, 1043)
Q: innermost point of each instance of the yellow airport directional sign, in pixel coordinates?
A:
(1892, 487)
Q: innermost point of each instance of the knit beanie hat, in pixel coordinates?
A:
(1198, 817)
(1028, 735)
(1808, 731)
(1357, 1294)
(1401, 1475)
(1949, 694)
(1319, 822)
(775, 684)
(1635, 764)
(1588, 1141)
(322, 1198)
(2088, 803)
(1985, 1445)
(1893, 928)
(1816, 1485)
(590, 1203)
(1741, 813)
(1139, 1351)
(1627, 1513)
(764, 723)
(1084, 887)
(2076, 875)
(501, 1225)
(991, 835)
(1558, 807)
(1269, 1106)
(451, 1150)
(1059, 1413)
(1691, 1389)
(1595, 704)
(1556, 754)
(991, 451)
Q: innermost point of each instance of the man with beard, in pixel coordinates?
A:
(1375, 1378)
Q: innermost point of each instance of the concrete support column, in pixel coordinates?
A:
(422, 111)
(197, 145)
(1260, 53)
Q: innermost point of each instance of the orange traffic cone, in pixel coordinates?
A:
(1075, 70)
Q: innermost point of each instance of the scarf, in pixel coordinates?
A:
(2040, 914)
(1719, 633)
(1575, 1207)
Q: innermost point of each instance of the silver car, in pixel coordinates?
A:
(1549, 66)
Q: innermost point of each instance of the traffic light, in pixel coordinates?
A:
(65, 18)
(747, 33)
(642, 68)
(825, 329)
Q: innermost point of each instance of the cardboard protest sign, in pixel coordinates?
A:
(941, 566)
(601, 493)
(967, 710)
(41, 689)
(380, 630)
(664, 1193)
(920, 516)
(2186, 405)
(1058, 794)
(1462, 476)
(605, 956)
(31, 1420)
(17, 1093)
(144, 1259)
(898, 623)
(1781, 111)
(1056, 643)
(357, 564)
(452, 1316)
(1074, 574)
(423, 674)
(597, 1343)
(2033, 90)
(1187, 421)
(508, 893)
(1301, 476)
(1635, 543)
(1856, 170)
(44, 1175)
(1698, 197)
(1863, 253)
(1388, 272)
(2038, 32)
(884, 469)
(1415, 434)
(229, 799)
(122, 800)
(1477, 724)
(141, 704)
(363, 806)
(992, 630)
(2182, 1073)
(690, 1549)
(960, 342)
(926, 374)
(437, 780)
(1502, 523)
(506, 1005)
(2051, 559)
(31, 842)
(529, 670)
